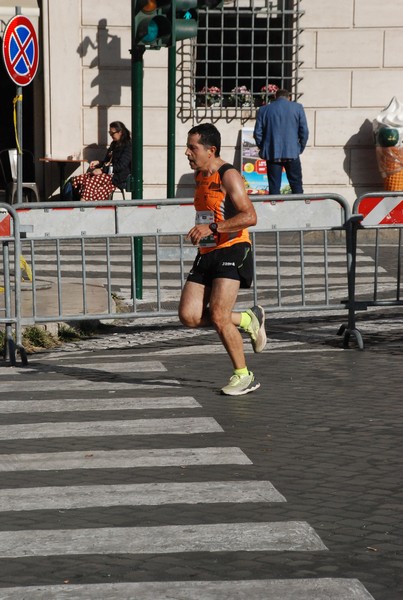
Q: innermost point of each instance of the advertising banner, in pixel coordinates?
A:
(253, 168)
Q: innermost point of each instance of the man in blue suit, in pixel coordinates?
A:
(281, 133)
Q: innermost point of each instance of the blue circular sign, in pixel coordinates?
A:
(20, 50)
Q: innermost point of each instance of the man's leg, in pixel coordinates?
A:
(252, 321)
(192, 306)
(193, 312)
(222, 300)
(294, 175)
(274, 172)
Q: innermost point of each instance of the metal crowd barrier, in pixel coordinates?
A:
(376, 223)
(85, 263)
(10, 285)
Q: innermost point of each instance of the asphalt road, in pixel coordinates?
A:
(125, 474)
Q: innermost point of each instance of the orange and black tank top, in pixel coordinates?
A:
(211, 205)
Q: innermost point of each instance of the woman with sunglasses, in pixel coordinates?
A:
(103, 177)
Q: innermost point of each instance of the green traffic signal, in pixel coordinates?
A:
(152, 27)
(162, 23)
(184, 20)
(185, 17)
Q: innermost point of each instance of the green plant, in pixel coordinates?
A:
(240, 96)
(37, 337)
(67, 333)
(86, 328)
(209, 96)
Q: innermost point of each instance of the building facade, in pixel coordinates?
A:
(343, 60)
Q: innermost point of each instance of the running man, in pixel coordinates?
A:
(224, 260)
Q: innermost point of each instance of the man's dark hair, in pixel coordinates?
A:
(209, 136)
(282, 93)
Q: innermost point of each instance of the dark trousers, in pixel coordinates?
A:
(294, 175)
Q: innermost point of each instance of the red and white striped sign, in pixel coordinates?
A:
(5, 223)
(382, 210)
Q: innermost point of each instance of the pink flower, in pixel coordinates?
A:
(209, 96)
(270, 89)
(241, 96)
(267, 92)
(211, 91)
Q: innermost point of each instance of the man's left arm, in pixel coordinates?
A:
(303, 131)
(234, 187)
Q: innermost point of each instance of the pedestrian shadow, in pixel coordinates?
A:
(112, 73)
(360, 163)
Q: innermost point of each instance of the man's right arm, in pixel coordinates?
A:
(258, 130)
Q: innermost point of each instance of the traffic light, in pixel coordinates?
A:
(152, 27)
(184, 17)
(162, 23)
(184, 20)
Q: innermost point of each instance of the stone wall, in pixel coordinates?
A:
(351, 67)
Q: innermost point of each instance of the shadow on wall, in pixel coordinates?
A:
(186, 185)
(237, 154)
(113, 73)
(360, 161)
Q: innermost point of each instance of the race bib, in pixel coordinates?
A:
(205, 217)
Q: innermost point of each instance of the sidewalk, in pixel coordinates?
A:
(382, 330)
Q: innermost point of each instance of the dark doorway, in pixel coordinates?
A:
(8, 91)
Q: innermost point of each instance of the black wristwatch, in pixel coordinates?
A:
(213, 227)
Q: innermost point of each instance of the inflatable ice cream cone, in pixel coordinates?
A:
(388, 130)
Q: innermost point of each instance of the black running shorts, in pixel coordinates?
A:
(233, 262)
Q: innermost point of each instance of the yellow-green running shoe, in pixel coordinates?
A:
(239, 385)
(256, 329)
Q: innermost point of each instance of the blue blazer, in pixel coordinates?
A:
(281, 130)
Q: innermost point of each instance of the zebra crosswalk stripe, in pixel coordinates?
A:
(146, 494)
(255, 589)
(222, 537)
(38, 385)
(180, 426)
(94, 404)
(122, 367)
(122, 459)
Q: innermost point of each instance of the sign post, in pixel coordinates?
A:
(21, 57)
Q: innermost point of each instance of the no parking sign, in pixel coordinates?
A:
(20, 50)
